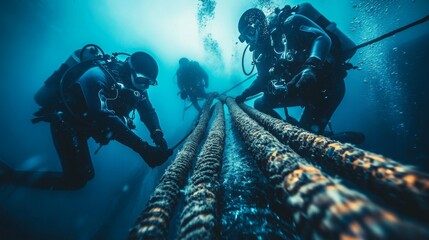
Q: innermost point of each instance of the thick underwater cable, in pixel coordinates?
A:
(154, 220)
(247, 203)
(199, 217)
(401, 185)
(321, 207)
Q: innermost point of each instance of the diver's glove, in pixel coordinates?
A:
(240, 98)
(306, 79)
(158, 138)
(183, 95)
(153, 156)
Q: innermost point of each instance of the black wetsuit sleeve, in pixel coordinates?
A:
(308, 33)
(148, 114)
(93, 84)
(257, 86)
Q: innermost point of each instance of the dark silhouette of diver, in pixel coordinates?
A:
(298, 63)
(97, 104)
(192, 81)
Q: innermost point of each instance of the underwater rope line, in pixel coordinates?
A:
(389, 34)
(238, 84)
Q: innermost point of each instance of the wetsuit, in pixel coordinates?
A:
(99, 111)
(305, 40)
(192, 80)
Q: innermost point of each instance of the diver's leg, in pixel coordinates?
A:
(194, 101)
(319, 110)
(266, 104)
(70, 143)
(72, 148)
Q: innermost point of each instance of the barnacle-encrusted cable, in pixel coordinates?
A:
(321, 207)
(154, 220)
(199, 217)
(400, 185)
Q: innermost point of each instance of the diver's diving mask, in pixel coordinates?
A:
(141, 81)
(249, 34)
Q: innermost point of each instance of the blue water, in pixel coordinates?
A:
(386, 99)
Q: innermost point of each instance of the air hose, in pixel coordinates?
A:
(242, 62)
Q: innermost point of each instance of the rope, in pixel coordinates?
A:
(238, 84)
(319, 205)
(154, 220)
(400, 185)
(389, 34)
(199, 218)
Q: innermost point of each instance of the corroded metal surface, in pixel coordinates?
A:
(400, 185)
(321, 207)
(154, 220)
(199, 217)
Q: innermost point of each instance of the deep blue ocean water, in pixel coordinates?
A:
(386, 99)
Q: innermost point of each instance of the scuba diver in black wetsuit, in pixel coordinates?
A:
(97, 104)
(298, 63)
(192, 80)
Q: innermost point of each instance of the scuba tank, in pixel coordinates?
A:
(48, 95)
(341, 44)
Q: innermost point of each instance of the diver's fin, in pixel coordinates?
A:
(348, 137)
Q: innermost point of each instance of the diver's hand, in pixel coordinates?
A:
(240, 98)
(303, 80)
(158, 138)
(153, 156)
(307, 78)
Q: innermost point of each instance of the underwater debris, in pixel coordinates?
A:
(199, 217)
(154, 220)
(400, 185)
(321, 207)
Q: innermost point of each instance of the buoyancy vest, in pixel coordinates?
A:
(341, 44)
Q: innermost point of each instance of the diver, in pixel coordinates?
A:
(192, 81)
(298, 64)
(96, 104)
